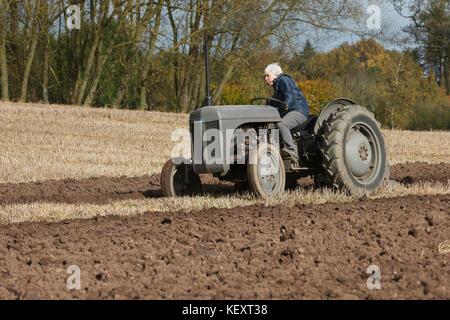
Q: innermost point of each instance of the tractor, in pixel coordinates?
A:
(342, 148)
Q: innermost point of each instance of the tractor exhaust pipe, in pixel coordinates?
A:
(208, 99)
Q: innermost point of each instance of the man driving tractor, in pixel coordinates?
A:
(297, 111)
(343, 146)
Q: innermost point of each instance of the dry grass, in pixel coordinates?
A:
(411, 146)
(40, 142)
(56, 211)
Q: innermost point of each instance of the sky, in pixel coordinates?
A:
(391, 22)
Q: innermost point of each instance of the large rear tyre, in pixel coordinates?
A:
(353, 150)
(265, 170)
(174, 183)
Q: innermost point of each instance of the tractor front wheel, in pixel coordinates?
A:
(178, 180)
(265, 170)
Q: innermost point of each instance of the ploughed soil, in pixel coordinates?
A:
(101, 190)
(408, 172)
(255, 252)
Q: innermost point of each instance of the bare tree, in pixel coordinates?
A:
(32, 11)
(148, 57)
(138, 29)
(98, 29)
(3, 60)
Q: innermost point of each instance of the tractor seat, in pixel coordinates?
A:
(306, 128)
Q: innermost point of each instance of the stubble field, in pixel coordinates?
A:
(80, 186)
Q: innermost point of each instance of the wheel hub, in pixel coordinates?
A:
(268, 172)
(358, 153)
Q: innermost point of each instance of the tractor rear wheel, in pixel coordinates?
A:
(265, 170)
(353, 150)
(173, 180)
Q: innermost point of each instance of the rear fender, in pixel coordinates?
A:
(330, 108)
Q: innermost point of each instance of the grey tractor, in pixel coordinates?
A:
(343, 148)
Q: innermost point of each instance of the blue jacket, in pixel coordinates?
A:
(286, 90)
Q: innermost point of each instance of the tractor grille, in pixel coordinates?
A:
(205, 126)
(211, 125)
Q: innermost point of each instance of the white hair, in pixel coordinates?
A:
(274, 68)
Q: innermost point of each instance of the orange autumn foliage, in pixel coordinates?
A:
(318, 93)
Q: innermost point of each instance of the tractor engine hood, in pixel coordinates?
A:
(243, 113)
(223, 119)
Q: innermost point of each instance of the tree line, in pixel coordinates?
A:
(148, 55)
(390, 83)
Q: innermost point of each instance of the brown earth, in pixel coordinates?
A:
(408, 172)
(101, 190)
(255, 252)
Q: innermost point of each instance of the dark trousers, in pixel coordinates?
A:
(288, 122)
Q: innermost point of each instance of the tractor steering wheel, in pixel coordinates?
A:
(277, 102)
